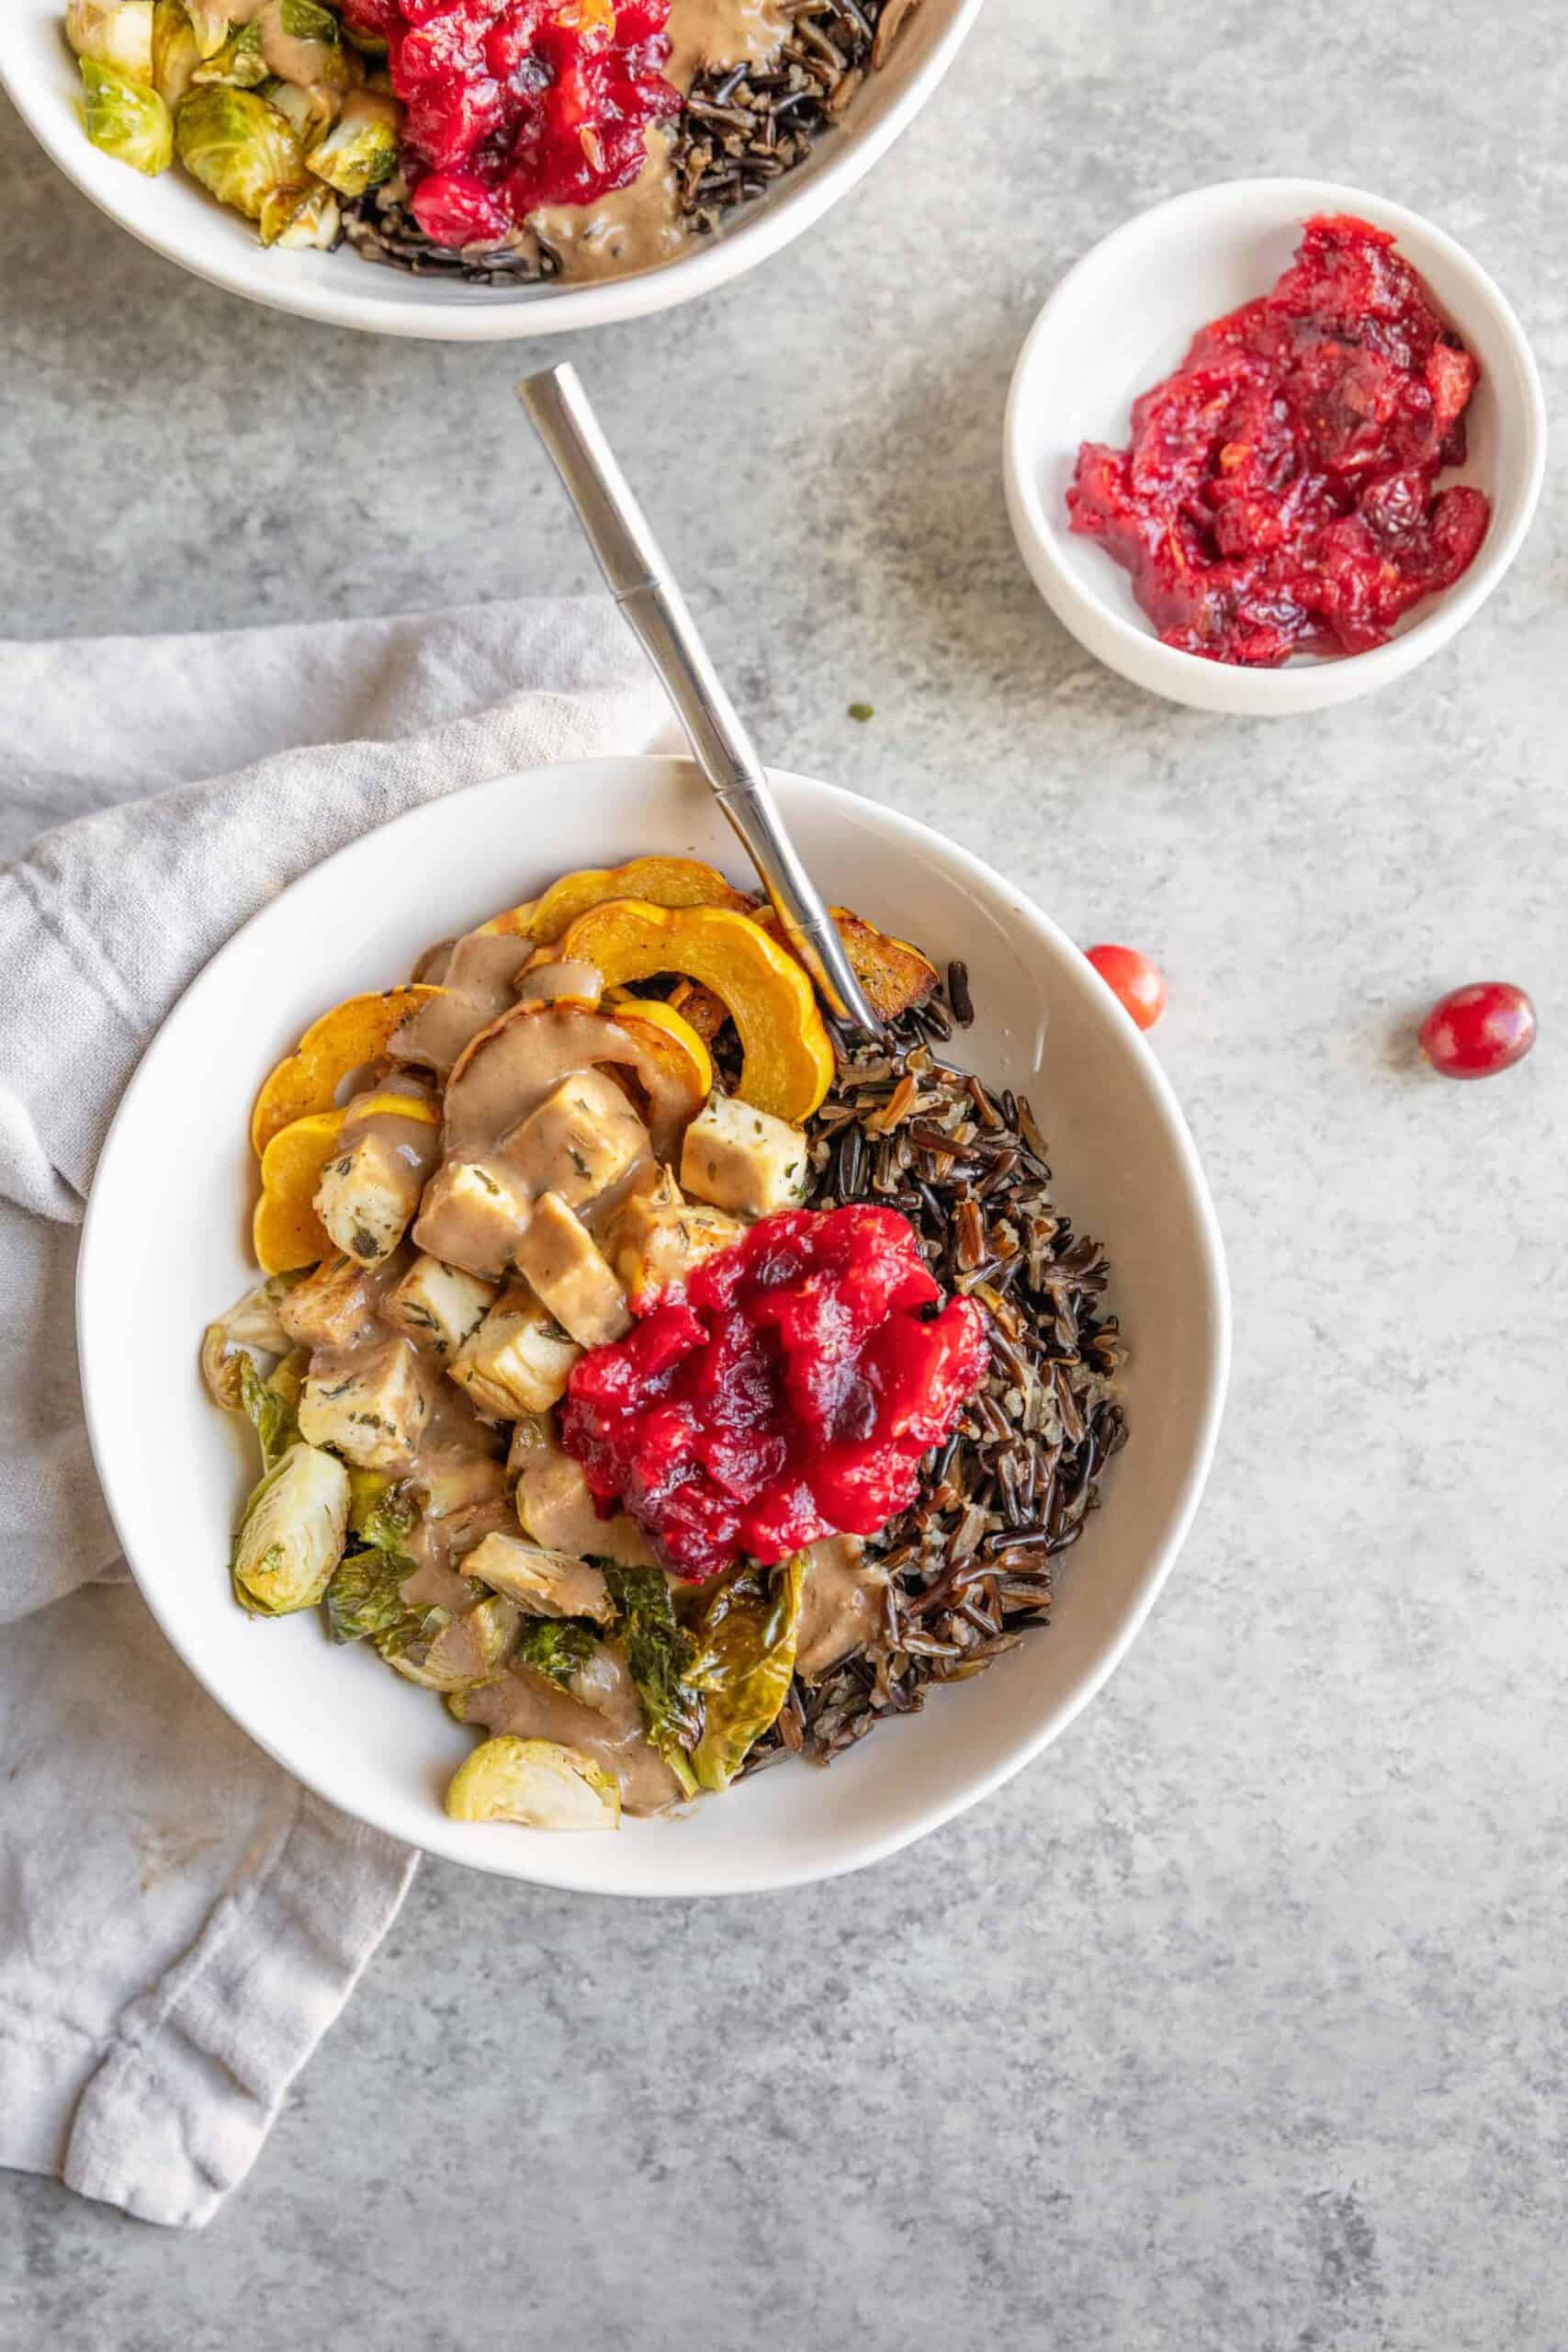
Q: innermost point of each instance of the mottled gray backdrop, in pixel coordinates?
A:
(1237, 2021)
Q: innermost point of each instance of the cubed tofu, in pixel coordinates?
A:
(519, 1360)
(366, 1196)
(472, 1216)
(658, 1238)
(570, 1275)
(744, 1160)
(332, 1305)
(544, 1583)
(579, 1139)
(370, 1404)
(438, 1306)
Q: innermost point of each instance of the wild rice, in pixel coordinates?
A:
(742, 128)
(970, 1566)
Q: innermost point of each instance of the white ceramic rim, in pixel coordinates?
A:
(551, 1863)
(1136, 653)
(726, 256)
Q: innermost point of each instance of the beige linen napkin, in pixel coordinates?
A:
(179, 1921)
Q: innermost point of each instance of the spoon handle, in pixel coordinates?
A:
(641, 583)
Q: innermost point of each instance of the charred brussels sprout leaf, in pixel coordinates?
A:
(536, 1782)
(658, 1652)
(271, 1412)
(126, 119)
(365, 1604)
(381, 1514)
(310, 113)
(455, 1653)
(291, 1537)
(743, 1664)
(556, 1647)
(238, 147)
(117, 33)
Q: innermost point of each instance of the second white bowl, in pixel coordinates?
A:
(1122, 319)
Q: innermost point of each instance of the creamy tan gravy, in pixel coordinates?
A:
(641, 227)
(841, 1607)
(477, 977)
(609, 1730)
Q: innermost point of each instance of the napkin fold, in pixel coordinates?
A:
(179, 1920)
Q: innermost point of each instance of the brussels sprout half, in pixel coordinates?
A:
(293, 217)
(239, 64)
(361, 150)
(126, 119)
(464, 1651)
(291, 1537)
(238, 147)
(176, 52)
(117, 33)
(308, 109)
(535, 1782)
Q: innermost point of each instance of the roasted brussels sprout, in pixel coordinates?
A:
(745, 1659)
(238, 147)
(209, 22)
(117, 33)
(176, 52)
(127, 119)
(454, 1652)
(308, 109)
(239, 64)
(291, 1537)
(251, 1327)
(535, 1782)
(361, 150)
(272, 1407)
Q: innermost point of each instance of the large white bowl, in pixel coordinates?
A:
(1122, 319)
(173, 215)
(166, 1247)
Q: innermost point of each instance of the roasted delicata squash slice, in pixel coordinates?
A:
(894, 976)
(788, 1062)
(352, 1036)
(536, 1782)
(285, 1229)
(668, 1036)
(662, 881)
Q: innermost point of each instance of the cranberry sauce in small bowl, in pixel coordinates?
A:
(1272, 444)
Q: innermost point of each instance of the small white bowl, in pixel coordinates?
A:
(174, 216)
(164, 1248)
(1122, 319)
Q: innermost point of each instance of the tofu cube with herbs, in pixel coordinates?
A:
(473, 1215)
(365, 1198)
(330, 1307)
(582, 1138)
(658, 1238)
(519, 1360)
(438, 1306)
(744, 1160)
(371, 1408)
(570, 1275)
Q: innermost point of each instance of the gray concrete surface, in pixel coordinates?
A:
(1238, 2020)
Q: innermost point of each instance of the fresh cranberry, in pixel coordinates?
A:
(1137, 985)
(1476, 1031)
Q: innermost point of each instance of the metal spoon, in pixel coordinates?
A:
(641, 583)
